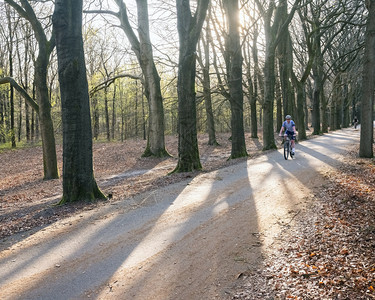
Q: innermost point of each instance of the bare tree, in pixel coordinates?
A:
(45, 47)
(78, 177)
(142, 48)
(189, 28)
(204, 62)
(234, 71)
(367, 106)
(274, 28)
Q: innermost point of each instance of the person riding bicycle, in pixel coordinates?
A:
(355, 122)
(290, 130)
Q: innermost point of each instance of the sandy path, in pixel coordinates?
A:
(189, 240)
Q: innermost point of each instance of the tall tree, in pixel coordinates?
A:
(258, 82)
(204, 61)
(10, 44)
(78, 176)
(273, 35)
(45, 48)
(368, 85)
(189, 28)
(142, 48)
(234, 71)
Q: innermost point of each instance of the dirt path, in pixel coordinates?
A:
(189, 240)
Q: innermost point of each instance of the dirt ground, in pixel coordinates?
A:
(205, 243)
(27, 201)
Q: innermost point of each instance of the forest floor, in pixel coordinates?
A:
(324, 251)
(28, 201)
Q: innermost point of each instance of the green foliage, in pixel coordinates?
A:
(20, 145)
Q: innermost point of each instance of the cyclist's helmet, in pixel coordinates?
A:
(288, 117)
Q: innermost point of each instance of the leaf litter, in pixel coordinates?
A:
(27, 201)
(328, 253)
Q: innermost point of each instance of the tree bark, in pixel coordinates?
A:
(113, 126)
(258, 81)
(189, 28)
(273, 36)
(78, 177)
(40, 80)
(11, 94)
(367, 103)
(143, 50)
(206, 82)
(234, 71)
(106, 114)
(318, 78)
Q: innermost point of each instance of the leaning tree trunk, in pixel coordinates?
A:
(155, 141)
(142, 48)
(45, 48)
(189, 29)
(11, 93)
(45, 118)
(234, 71)
(78, 177)
(367, 128)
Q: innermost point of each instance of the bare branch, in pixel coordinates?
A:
(109, 81)
(23, 93)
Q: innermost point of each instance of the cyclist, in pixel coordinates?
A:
(355, 122)
(290, 129)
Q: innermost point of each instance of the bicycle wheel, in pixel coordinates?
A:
(286, 149)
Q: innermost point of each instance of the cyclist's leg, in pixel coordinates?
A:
(293, 145)
(292, 141)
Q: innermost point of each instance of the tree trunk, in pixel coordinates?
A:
(234, 74)
(19, 119)
(2, 118)
(113, 113)
(300, 111)
(269, 94)
(206, 82)
(189, 29)
(78, 177)
(324, 112)
(45, 118)
(273, 36)
(96, 115)
(40, 82)
(11, 94)
(279, 112)
(346, 104)
(285, 60)
(32, 125)
(318, 82)
(253, 111)
(27, 123)
(143, 50)
(258, 81)
(316, 102)
(367, 103)
(252, 98)
(208, 105)
(106, 112)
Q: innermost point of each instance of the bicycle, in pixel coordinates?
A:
(287, 147)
